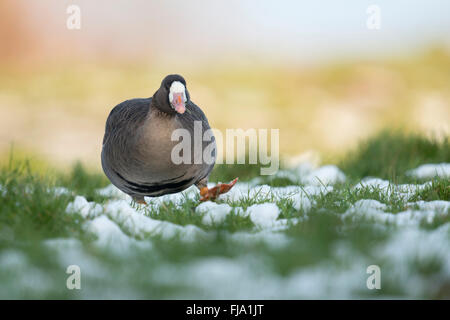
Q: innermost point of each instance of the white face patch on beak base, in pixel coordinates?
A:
(177, 97)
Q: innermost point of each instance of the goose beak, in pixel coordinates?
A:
(178, 103)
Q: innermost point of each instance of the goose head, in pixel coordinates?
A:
(172, 96)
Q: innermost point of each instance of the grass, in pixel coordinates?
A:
(29, 210)
(84, 183)
(32, 213)
(438, 190)
(390, 154)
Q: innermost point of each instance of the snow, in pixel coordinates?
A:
(12, 259)
(430, 170)
(410, 246)
(60, 191)
(404, 191)
(203, 275)
(370, 182)
(139, 225)
(70, 251)
(176, 198)
(108, 222)
(109, 235)
(374, 211)
(245, 190)
(256, 280)
(128, 232)
(274, 240)
(283, 224)
(3, 191)
(325, 175)
(263, 215)
(112, 191)
(239, 191)
(82, 206)
(213, 213)
(368, 205)
(307, 175)
(56, 190)
(287, 174)
(300, 196)
(120, 215)
(327, 282)
(134, 222)
(22, 276)
(436, 205)
(303, 169)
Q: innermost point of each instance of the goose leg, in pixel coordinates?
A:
(214, 192)
(139, 200)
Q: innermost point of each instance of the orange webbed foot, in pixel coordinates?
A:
(140, 201)
(214, 192)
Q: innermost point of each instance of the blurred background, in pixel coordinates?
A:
(314, 70)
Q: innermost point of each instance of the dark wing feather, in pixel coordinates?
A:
(121, 116)
(117, 145)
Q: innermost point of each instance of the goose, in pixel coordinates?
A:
(138, 145)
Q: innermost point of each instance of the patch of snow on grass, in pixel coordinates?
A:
(71, 252)
(3, 191)
(412, 246)
(109, 235)
(287, 174)
(325, 175)
(369, 204)
(327, 282)
(283, 224)
(60, 191)
(262, 192)
(86, 209)
(239, 278)
(306, 174)
(20, 276)
(139, 225)
(300, 196)
(176, 198)
(213, 213)
(373, 182)
(12, 259)
(303, 169)
(436, 205)
(243, 190)
(263, 215)
(250, 277)
(374, 211)
(112, 191)
(404, 191)
(274, 240)
(430, 170)
(367, 209)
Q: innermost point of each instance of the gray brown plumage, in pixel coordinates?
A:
(137, 146)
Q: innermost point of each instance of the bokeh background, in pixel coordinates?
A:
(312, 69)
